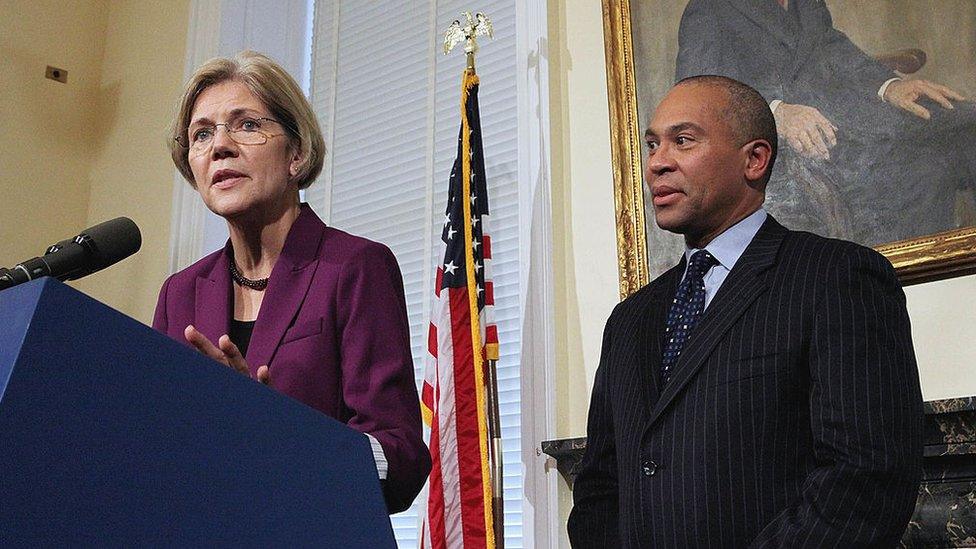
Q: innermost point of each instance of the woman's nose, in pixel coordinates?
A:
(222, 143)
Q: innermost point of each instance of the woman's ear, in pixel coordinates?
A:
(296, 163)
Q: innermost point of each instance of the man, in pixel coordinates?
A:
(865, 147)
(761, 393)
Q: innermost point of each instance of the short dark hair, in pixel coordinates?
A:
(748, 112)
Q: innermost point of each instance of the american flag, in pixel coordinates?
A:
(461, 337)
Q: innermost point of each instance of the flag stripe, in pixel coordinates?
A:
(435, 502)
(461, 335)
(449, 520)
(467, 422)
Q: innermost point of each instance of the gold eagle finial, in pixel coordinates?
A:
(477, 25)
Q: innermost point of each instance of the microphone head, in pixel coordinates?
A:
(112, 241)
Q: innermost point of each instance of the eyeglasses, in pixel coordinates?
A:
(243, 131)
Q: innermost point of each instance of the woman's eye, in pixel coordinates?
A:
(250, 125)
(202, 134)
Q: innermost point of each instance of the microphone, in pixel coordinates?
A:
(92, 250)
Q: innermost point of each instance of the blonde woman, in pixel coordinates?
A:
(316, 313)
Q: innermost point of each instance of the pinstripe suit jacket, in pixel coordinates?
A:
(792, 419)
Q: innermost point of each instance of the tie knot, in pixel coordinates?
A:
(701, 262)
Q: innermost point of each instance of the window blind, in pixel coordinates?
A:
(389, 104)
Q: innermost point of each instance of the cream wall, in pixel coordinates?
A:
(584, 242)
(80, 153)
(132, 174)
(943, 332)
(48, 140)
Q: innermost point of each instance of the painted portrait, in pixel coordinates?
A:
(873, 101)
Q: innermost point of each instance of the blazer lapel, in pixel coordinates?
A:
(287, 288)
(772, 18)
(744, 284)
(211, 315)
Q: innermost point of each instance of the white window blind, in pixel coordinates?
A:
(389, 103)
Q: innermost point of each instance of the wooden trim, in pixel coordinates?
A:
(625, 148)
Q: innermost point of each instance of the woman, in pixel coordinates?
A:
(314, 312)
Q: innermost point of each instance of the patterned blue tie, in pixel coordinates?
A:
(687, 307)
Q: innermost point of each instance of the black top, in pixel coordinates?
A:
(240, 333)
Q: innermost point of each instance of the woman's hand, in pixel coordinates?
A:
(224, 352)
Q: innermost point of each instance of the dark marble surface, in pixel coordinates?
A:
(949, 468)
(960, 404)
(568, 452)
(563, 446)
(950, 427)
(932, 450)
(945, 514)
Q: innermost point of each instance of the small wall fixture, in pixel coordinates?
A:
(55, 73)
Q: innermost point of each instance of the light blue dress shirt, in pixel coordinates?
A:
(727, 248)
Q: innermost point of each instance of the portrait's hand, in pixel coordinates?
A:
(806, 130)
(224, 352)
(904, 94)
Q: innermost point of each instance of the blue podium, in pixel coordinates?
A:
(112, 434)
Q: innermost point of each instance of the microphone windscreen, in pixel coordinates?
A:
(115, 239)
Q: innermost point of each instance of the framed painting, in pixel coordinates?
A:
(876, 126)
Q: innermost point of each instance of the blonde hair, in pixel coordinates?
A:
(276, 89)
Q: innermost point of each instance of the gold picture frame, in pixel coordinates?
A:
(931, 257)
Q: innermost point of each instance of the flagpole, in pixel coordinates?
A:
(495, 436)
(494, 417)
(455, 35)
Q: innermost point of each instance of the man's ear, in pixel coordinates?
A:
(759, 154)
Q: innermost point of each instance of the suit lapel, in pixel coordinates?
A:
(287, 288)
(772, 18)
(745, 283)
(212, 310)
(654, 315)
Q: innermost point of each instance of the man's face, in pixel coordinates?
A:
(696, 166)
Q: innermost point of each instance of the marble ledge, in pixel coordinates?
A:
(934, 450)
(948, 405)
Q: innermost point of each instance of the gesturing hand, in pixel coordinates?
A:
(224, 352)
(806, 130)
(904, 94)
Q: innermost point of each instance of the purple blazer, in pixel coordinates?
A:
(332, 328)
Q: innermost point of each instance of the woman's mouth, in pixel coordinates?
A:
(224, 179)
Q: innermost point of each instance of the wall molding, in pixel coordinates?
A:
(540, 484)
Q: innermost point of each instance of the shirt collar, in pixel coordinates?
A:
(728, 247)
